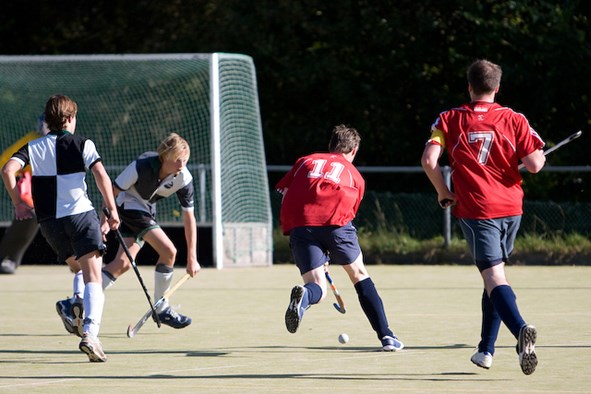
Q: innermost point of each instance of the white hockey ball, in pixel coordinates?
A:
(343, 338)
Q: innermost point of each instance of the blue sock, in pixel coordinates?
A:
(491, 321)
(313, 295)
(504, 300)
(372, 305)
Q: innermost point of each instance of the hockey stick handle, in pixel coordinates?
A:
(178, 284)
(565, 141)
(341, 304)
(107, 213)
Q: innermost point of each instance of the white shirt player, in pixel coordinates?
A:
(142, 187)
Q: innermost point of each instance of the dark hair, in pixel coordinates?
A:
(484, 76)
(57, 111)
(344, 139)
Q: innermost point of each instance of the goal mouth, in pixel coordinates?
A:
(128, 103)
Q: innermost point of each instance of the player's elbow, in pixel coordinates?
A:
(428, 162)
(7, 172)
(430, 158)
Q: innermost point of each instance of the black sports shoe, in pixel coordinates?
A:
(294, 312)
(174, 319)
(64, 310)
(526, 349)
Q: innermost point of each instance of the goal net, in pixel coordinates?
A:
(128, 103)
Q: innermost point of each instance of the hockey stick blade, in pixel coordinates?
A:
(133, 330)
(565, 141)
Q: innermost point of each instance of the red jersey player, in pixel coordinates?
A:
(485, 143)
(321, 195)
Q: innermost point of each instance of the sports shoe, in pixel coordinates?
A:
(174, 319)
(64, 310)
(294, 314)
(78, 316)
(526, 349)
(7, 266)
(391, 344)
(93, 348)
(482, 359)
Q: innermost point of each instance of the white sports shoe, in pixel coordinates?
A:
(482, 359)
(93, 349)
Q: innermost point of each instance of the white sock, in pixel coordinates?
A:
(107, 281)
(162, 281)
(78, 285)
(94, 302)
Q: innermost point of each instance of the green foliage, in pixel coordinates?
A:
(387, 68)
(383, 246)
(554, 244)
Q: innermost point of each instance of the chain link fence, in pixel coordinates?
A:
(419, 216)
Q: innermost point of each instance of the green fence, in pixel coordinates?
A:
(419, 216)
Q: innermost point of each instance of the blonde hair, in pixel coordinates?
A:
(174, 147)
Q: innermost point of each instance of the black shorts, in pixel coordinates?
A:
(136, 223)
(74, 235)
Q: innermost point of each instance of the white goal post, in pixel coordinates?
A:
(128, 103)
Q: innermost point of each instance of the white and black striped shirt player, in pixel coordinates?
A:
(142, 188)
(59, 162)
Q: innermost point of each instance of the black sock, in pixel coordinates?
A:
(491, 321)
(313, 294)
(372, 305)
(504, 300)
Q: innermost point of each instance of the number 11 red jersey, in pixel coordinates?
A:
(321, 189)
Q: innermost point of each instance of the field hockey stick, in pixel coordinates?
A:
(133, 330)
(341, 304)
(565, 141)
(134, 265)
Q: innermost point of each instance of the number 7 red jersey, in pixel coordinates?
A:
(321, 189)
(485, 143)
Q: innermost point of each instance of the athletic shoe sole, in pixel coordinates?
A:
(78, 321)
(93, 351)
(68, 324)
(292, 315)
(526, 347)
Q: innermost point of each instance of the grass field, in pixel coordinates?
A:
(238, 342)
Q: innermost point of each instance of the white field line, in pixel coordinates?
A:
(44, 383)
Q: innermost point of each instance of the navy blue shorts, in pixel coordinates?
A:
(490, 240)
(313, 246)
(74, 235)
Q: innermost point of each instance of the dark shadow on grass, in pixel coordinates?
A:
(435, 377)
(135, 352)
(350, 348)
(21, 335)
